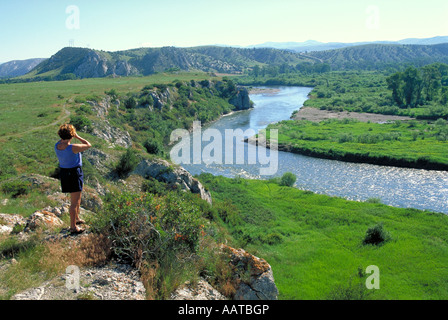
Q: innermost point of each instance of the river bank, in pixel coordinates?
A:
(259, 90)
(317, 115)
(399, 143)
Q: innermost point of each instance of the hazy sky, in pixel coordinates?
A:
(39, 28)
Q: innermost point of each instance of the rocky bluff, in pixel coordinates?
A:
(164, 96)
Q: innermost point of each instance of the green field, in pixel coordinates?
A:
(30, 114)
(405, 143)
(314, 243)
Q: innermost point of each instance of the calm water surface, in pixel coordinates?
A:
(399, 187)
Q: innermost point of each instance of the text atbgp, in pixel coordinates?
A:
(241, 309)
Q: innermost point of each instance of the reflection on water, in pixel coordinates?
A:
(399, 187)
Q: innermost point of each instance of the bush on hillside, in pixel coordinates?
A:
(376, 235)
(81, 123)
(153, 147)
(145, 227)
(127, 163)
(288, 179)
(16, 188)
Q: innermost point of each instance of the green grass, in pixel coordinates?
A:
(414, 143)
(314, 242)
(353, 91)
(30, 114)
(39, 103)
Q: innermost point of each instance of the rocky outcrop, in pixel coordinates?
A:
(161, 98)
(241, 99)
(163, 171)
(251, 277)
(98, 159)
(94, 65)
(202, 290)
(113, 282)
(10, 221)
(103, 129)
(44, 220)
(115, 136)
(254, 276)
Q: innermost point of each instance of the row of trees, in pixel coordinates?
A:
(414, 87)
(276, 70)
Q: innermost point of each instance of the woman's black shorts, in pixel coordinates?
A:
(72, 180)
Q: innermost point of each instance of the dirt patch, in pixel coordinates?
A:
(268, 91)
(317, 115)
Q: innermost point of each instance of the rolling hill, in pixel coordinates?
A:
(86, 63)
(80, 63)
(380, 56)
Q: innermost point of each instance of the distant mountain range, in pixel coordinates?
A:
(312, 45)
(381, 56)
(70, 63)
(18, 68)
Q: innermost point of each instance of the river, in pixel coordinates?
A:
(400, 187)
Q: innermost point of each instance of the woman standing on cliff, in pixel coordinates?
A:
(71, 175)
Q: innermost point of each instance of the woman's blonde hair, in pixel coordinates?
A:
(67, 131)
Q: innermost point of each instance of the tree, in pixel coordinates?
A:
(413, 86)
(256, 71)
(432, 82)
(395, 83)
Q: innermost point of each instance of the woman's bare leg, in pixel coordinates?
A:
(74, 209)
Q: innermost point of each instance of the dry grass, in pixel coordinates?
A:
(89, 251)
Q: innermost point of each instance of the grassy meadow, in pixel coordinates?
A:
(412, 143)
(30, 114)
(314, 243)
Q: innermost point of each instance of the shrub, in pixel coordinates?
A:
(373, 200)
(81, 123)
(16, 188)
(376, 235)
(127, 163)
(154, 186)
(153, 147)
(130, 103)
(288, 179)
(145, 227)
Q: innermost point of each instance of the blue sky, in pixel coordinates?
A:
(39, 28)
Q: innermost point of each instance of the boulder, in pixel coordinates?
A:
(199, 291)
(241, 99)
(9, 221)
(163, 171)
(42, 219)
(253, 275)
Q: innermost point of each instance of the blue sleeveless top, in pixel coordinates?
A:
(68, 159)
